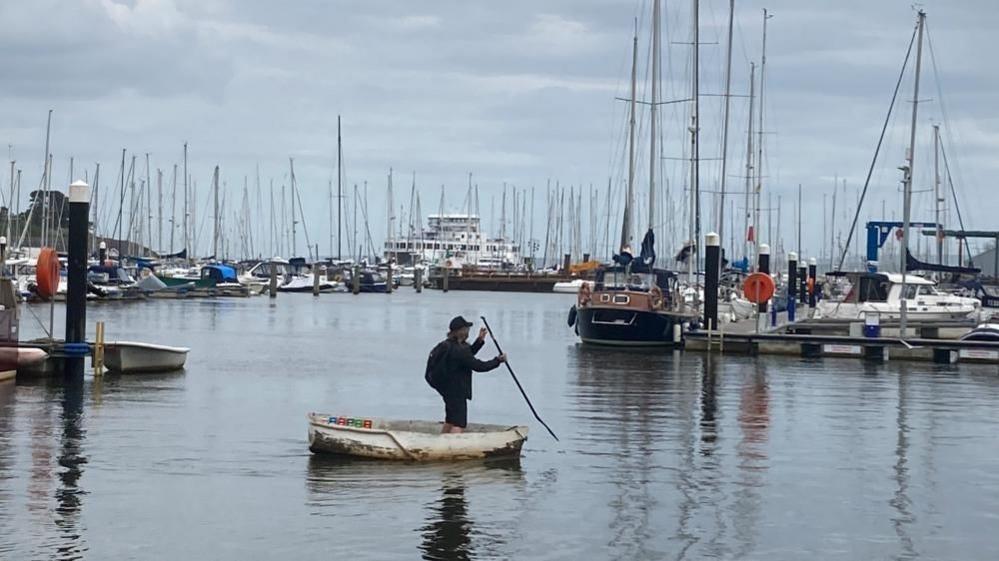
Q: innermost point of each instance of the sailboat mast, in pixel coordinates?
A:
(159, 209)
(749, 162)
(97, 192)
(339, 190)
(47, 171)
(389, 210)
(695, 144)
(187, 211)
(759, 141)
(173, 206)
(10, 206)
(728, 99)
(215, 229)
(294, 244)
(907, 193)
(798, 246)
(147, 236)
(653, 156)
(936, 192)
(121, 203)
(626, 223)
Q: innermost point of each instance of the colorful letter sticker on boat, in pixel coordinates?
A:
(349, 422)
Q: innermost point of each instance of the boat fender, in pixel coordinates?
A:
(572, 316)
(657, 298)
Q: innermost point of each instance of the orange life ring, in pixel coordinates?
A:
(47, 273)
(811, 285)
(899, 234)
(758, 288)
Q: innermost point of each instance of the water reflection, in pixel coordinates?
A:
(71, 460)
(754, 424)
(623, 398)
(900, 501)
(447, 534)
(447, 529)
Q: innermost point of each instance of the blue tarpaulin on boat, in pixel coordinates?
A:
(220, 273)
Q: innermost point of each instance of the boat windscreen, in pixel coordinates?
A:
(620, 280)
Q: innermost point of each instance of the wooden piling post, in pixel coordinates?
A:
(315, 280)
(355, 280)
(98, 357)
(447, 273)
(418, 279)
(273, 283)
(388, 285)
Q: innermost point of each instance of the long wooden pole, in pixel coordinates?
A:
(516, 381)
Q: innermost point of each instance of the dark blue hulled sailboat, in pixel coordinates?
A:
(632, 303)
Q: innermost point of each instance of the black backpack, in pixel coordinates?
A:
(437, 365)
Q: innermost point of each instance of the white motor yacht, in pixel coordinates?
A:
(882, 293)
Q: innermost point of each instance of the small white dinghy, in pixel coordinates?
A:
(410, 440)
(131, 356)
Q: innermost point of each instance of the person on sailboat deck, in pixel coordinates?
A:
(449, 371)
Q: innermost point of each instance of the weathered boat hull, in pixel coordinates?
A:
(127, 356)
(415, 441)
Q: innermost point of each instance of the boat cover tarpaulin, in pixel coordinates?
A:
(151, 283)
(913, 264)
(182, 254)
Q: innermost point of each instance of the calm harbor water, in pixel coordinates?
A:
(663, 455)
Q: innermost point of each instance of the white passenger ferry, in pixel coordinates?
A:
(454, 241)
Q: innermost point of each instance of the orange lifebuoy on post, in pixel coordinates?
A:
(758, 288)
(47, 273)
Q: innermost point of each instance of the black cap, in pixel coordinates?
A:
(458, 322)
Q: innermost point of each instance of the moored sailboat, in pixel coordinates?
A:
(632, 303)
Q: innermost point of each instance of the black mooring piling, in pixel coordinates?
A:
(76, 272)
(712, 260)
(792, 283)
(812, 273)
(763, 266)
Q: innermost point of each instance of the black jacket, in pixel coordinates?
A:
(461, 362)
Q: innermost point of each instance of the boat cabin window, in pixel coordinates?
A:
(910, 292)
(619, 280)
(871, 289)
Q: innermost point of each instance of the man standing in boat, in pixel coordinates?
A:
(449, 371)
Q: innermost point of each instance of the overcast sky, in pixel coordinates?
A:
(520, 92)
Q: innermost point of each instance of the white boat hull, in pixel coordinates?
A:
(570, 287)
(411, 440)
(128, 356)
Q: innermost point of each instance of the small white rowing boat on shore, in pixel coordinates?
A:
(131, 356)
(410, 440)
